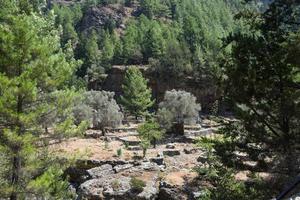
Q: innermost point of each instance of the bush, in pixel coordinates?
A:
(119, 152)
(137, 185)
(116, 184)
(150, 131)
(100, 108)
(178, 107)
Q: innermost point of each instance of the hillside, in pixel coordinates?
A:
(149, 99)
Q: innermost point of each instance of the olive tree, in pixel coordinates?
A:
(178, 107)
(100, 108)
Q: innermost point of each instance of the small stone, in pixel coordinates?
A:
(171, 153)
(134, 148)
(202, 159)
(120, 168)
(190, 151)
(158, 160)
(160, 154)
(170, 146)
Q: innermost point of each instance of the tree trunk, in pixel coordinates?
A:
(103, 130)
(15, 177)
(16, 165)
(154, 143)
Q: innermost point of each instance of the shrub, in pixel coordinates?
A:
(119, 152)
(137, 185)
(100, 108)
(150, 131)
(178, 107)
(116, 184)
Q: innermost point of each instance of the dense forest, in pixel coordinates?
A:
(56, 58)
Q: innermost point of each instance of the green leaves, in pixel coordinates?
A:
(137, 97)
(34, 72)
(150, 131)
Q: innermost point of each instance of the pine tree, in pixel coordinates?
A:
(154, 43)
(263, 78)
(131, 48)
(137, 96)
(33, 69)
(150, 131)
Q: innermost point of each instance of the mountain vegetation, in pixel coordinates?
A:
(56, 57)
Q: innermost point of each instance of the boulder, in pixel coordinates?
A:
(158, 160)
(190, 151)
(91, 189)
(171, 194)
(202, 159)
(120, 168)
(77, 175)
(131, 140)
(105, 188)
(100, 172)
(149, 166)
(118, 188)
(170, 146)
(150, 191)
(171, 152)
(134, 148)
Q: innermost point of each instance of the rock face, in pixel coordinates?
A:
(169, 192)
(97, 17)
(205, 91)
(108, 181)
(100, 172)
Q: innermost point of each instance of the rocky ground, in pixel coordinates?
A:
(102, 173)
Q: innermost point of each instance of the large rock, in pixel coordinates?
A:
(150, 191)
(100, 172)
(171, 194)
(117, 188)
(120, 168)
(77, 175)
(98, 17)
(91, 189)
(149, 166)
(131, 140)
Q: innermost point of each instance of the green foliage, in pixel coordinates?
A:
(137, 96)
(150, 131)
(99, 108)
(68, 17)
(119, 152)
(52, 184)
(178, 107)
(224, 184)
(145, 144)
(152, 8)
(184, 37)
(34, 76)
(137, 185)
(116, 185)
(262, 75)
